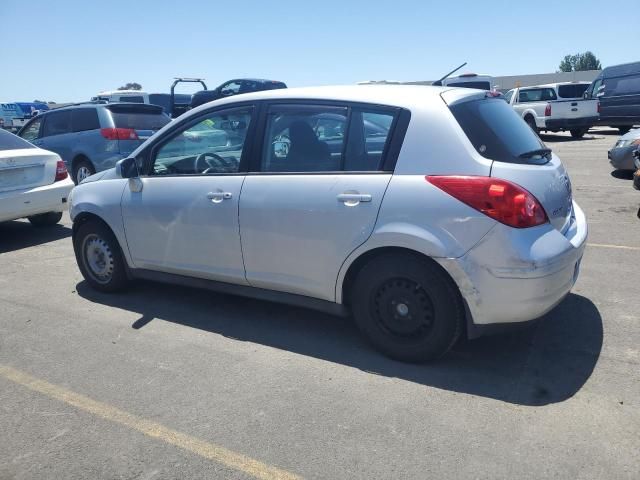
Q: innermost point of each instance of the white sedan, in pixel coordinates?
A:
(34, 183)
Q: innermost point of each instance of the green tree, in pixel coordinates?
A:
(580, 62)
(131, 86)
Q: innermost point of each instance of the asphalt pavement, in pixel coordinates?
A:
(165, 382)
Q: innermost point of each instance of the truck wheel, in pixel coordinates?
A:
(407, 307)
(532, 123)
(578, 132)
(45, 219)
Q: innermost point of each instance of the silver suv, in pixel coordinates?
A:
(421, 211)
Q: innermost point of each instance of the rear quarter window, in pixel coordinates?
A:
(496, 131)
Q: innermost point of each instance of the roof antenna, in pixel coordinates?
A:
(438, 83)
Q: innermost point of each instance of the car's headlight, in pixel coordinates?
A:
(626, 143)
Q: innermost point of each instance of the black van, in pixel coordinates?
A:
(618, 89)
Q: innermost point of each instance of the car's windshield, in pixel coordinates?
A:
(9, 141)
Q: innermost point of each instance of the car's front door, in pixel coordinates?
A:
(315, 194)
(184, 219)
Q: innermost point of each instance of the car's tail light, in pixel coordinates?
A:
(501, 200)
(599, 106)
(119, 133)
(61, 171)
(547, 110)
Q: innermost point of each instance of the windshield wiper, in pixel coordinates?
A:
(543, 152)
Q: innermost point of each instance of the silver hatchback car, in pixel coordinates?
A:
(424, 212)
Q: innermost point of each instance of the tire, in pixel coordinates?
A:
(81, 170)
(99, 257)
(532, 123)
(46, 219)
(408, 308)
(578, 133)
(624, 129)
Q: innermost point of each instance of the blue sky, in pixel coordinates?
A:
(68, 50)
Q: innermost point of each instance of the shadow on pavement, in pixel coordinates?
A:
(17, 235)
(547, 362)
(622, 174)
(557, 138)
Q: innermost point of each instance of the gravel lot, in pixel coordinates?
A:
(167, 382)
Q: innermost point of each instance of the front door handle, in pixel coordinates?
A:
(353, 198)
(217, 197)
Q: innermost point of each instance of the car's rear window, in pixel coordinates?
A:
(9, 141)
(573, 90)
(149, 118)
(496, 131)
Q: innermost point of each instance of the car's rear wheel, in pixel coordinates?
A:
(45, 219)
(81, 170)
(407, 307)
(578, 132)
(99, 257)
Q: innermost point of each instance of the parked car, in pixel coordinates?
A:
(543, 109)
(128, 96)
(621, 155)
(235, 87)
(469, 80)
(34, 183)
(618, 90)
(92, 137)
(447, 210)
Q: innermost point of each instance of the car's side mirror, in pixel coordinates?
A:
(585, 95)
(127, 168)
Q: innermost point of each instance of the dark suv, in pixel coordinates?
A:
(92, 137)
(235, 87)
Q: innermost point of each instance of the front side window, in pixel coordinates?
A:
(32, 131)
(509, 95)
(304, 139)
(57, 123)
(212, 146)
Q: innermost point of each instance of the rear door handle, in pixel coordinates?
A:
(354, 198)
(217, 197)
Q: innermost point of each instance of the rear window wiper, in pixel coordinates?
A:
(543, 152)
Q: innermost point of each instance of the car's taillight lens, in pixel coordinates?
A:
(61, 171)
(119, 133)
(501, 200)
(547, 110)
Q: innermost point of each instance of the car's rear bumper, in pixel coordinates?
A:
(24, 203)
(516, 275)
(622, 158)
(570, 123)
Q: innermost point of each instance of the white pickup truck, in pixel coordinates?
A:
(548, 108)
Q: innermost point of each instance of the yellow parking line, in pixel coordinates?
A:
(207, 450)
(606, 245)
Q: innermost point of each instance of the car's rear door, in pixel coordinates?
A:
(314, 193)
(182, 217)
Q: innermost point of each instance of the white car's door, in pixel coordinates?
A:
(184, 220)
(315, 198)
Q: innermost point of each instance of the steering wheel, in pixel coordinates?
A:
(209, 166)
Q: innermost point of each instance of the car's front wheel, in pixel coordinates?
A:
(99, 257)
(407, 307)
(45, 219)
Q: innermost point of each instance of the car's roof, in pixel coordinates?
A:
(392, 95)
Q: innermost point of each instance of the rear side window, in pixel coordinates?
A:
(496, 131)
(573, 90)
(57, 123)
(139, 120)
(9, 141)
(537, 95)
(84, 119)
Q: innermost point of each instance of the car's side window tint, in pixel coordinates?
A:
(32, 131)
(304, 138)
(84, 119)
(212, 146)
(57, 123)
(369, 133)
